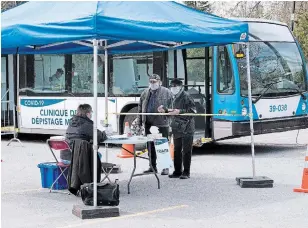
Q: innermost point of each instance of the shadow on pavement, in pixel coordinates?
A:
(204, 195)
(244, 149)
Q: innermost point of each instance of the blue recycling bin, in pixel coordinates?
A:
(49, 173)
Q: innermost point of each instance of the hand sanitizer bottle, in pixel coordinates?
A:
(127, 131)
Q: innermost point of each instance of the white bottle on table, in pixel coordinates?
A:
(127, 131)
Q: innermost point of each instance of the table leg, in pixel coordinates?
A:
(158, 181)
(133, 172)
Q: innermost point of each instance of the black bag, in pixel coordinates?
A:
(179, 124)
(108, 194)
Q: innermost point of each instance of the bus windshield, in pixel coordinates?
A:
(276, 67)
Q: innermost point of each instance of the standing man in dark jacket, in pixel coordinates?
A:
(150, 100)
(183, 129)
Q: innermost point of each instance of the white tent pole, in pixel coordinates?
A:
(106, 83)
(16, 109)
(106, 93)
(95, 123)
(250, 111)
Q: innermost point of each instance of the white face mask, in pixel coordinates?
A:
(175, 90)
(154, 86)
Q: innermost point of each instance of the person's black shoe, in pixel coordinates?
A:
(185, 176)
(150, 170)
(165, 172)
(175, 175)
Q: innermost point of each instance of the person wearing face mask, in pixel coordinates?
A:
(183, 129)
(150, 100)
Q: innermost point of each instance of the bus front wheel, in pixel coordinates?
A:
(130, 118)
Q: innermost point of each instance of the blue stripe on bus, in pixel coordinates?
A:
(299, 110)
(40, 102)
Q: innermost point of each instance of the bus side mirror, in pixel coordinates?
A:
(240, 54)
(238, 51)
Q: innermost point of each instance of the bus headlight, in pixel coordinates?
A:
(244, 111)
(303, 106)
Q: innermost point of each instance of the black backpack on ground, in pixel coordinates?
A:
(108, 194)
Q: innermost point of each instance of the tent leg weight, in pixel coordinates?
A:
(90, 212)
(254, 182)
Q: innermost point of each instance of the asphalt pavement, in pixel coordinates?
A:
(210, 198)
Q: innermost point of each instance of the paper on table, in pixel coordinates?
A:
(118, 137)
(57, 137)
(154, 136)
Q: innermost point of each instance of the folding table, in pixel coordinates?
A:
(133, 140)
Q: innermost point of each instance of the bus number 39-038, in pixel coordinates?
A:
(278, 108)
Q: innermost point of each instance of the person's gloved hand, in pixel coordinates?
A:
(161, 109)
(174, 111)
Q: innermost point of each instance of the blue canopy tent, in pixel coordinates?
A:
(44, 23)
(113, 27)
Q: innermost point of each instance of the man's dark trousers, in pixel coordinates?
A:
(165, 133)
(182, 153)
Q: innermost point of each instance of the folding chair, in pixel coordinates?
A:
(58, 144)
(105, 167)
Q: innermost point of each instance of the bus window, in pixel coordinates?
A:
(195, 62)
(3, 77)
(48, 73)
(225, 78)
(4, 88)
(82, 74)
(276, 68)
(175, 66)
(180, 65)
(170, 65)
(131, 73)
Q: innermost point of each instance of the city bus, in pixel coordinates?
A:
(52, 86)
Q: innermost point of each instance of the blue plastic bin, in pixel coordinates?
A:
(49, 173)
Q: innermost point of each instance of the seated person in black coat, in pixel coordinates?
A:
(80, 135)
(81, 125)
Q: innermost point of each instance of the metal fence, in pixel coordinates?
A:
(8, 118)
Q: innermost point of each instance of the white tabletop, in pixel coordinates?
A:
(130, 140)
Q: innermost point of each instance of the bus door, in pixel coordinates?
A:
(225, 98)
(7, 90)
(198, 85)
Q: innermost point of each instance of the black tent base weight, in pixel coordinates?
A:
(255, 182)
(90, 212)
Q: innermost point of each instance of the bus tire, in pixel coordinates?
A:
(130, 119)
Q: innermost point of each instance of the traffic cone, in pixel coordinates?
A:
(304, 187)
(124, 152)
(172, 149)
(127, 147)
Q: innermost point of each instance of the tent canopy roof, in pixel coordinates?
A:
(43, 23)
